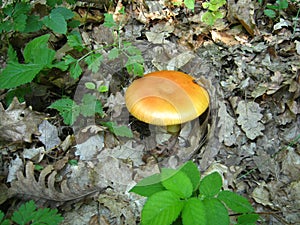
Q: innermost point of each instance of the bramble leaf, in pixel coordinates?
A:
(177, 182)
(216, 212)
(56, 22)
(161, 208)
(193, 212)
(122, 131)
(16, 74)
(148, 186)
(190, 4)
(235, 202)
(191, 170)
(210, 185)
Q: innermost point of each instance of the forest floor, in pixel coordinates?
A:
(248, 62)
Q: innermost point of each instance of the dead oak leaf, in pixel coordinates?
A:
(18, 122)
(249, 119)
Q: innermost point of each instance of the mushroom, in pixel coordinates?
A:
(166, 98)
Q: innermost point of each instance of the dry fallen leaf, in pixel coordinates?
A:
(18, 122)
(249, 119)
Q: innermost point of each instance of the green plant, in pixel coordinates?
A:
(213, 13)
(190, 4)
(181, 197)
(273, 10)
(29, 214)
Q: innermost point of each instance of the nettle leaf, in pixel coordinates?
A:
(37, 51)
(12, 54)
(16, 74)
(194, 212)
(19, 23)
(148, 186)
(113, 53)
(94, 62)
(177, 181)
(90, 105)
(67, 108)
(161, 208)
(210, 185)
(33, 24)
(66, 13)
(216, 212)
(235, 202)
(56, 22)
(122, 131)
(190, 169)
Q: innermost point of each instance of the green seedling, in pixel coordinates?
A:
(181, 197)
(213, 13)
(273, 10)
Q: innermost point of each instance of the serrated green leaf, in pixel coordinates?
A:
(75, 41)
(283, 4)
(68, 59)
(20, 22)
(16, 74)
(75, 70)
(12, 54)
(235, 202)
(208, 18)
(90, 105)
(37, 51)
(148, 186)
(216, 212)
(190, 4)
(109, 20)
(194, 212)
(247, 219)
(66, 13)
(33, 24)
(177, 181)
(2, 220)
(94, 62)
(191, 170)
(67, 108)
(46, 216)
(113, 53)
(210, 185)
(122, 131)
(56, 22)
(161, 208)
(25, 213)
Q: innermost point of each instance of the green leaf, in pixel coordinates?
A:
(67, 108)
(208, 18)
(190, 4)
(75, 41)
(210, 185)
(148, 186)
(122, 131)
(109, 20)
(2, 220)
(193, 212)
(66, 13)
(177, 181)
(161, 208)
(94, 62)
(270, 13)
(247, 219)
(33, 24)
(113, 53)
(12, 54)
(90, 105)
(283, 4)
(20, 22)
(191, 170)
(216, 212)
(90, 85)
(37, 51)
(103, 88)
(75, 70)
(25, 213)
(56, 22)
(235, 202)
(16, 74)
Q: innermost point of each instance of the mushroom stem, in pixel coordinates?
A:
(173, 129)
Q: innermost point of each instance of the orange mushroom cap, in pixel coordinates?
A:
(166, 98)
